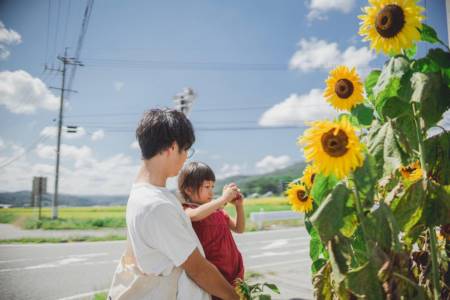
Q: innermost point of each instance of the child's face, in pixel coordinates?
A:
(205, 192)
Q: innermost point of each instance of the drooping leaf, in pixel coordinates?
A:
(340, 256)
(383, 146)
(328, 218)
(323, 289)
(272, 287)
(363, 282)
(317, 265)
(396, 67)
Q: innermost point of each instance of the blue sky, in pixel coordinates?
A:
(256, 63)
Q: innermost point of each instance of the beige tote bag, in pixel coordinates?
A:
(130, 283)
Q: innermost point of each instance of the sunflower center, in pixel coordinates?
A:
(335, 145)
(410, 169)
(390, 21)
(343, 88)
(302, 196)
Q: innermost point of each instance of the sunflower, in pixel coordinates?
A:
(344, 88)
(412, 172)
(299, 198)
(308, 176)
(391, 25)
(333, 147)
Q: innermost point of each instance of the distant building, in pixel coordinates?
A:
(5, 205)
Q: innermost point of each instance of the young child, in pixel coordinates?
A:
(211, 223)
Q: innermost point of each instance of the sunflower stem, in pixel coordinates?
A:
(434, 259)
(361, 216)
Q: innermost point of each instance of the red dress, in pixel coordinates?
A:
(218, 244)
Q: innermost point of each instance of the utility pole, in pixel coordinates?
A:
(66, 61)
(184, 100)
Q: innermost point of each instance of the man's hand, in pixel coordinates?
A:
(206, 275)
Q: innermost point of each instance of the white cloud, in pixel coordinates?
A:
(52, 131)
(98, 135)
(297, 109)
(7, 37)
(22, 93)
(315, 54)
(79, 155)
(318, 8)
(444, 123)
(228, 170)
(118, 85)
(271, 163)
(80, 172)
(135, 145)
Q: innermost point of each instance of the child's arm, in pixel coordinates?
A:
(204, 210)
(238, 224)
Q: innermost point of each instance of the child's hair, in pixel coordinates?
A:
(159, 128)
(192, 176)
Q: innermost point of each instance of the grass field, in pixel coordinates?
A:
(114, 216)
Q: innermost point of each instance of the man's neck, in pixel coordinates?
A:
(153, 173)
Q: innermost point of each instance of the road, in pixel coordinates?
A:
(79, 270)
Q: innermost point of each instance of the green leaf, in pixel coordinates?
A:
(371, 81)
(437, 206)
(364, 282)
(428, 34)
(425, 65)
(363, 114)
(272, 287)
(315, 245)
(365, 178)
(411, 52)
(264, 297)
(433, 96)
(328, 218)
(383, 146)
(409, 208)
(440, 57)
(317, 265)
(323, 185)
(382, 228)
(350, 225)
(437, 153)
(395, 67)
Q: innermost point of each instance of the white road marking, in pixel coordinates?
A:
(84, 295)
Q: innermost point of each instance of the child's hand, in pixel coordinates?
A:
(239, 200)
(230, 192)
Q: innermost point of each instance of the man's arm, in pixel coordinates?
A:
(206, 275)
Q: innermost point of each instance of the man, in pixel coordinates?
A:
(159, 231)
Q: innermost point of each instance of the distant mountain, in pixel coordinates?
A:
(23, 198)
(274, 182)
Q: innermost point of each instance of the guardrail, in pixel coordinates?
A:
(262, 216)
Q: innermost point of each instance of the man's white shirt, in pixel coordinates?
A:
(162, 235)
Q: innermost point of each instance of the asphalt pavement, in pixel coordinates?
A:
(79, 270)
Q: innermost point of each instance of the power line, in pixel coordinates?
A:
(194, 111)
(67, 21)
(48, 30)
(56, 28)
(28, 149)
(185, 65)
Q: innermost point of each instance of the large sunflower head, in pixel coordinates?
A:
(333, 147)
(344, 88)
(299, 198)
(391, 25)
(309, 173)
(412, 172)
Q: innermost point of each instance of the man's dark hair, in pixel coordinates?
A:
(192, 176)
(159, 128)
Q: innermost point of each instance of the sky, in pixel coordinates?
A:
(257, 66)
